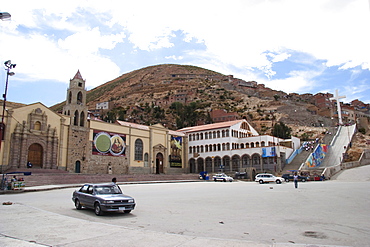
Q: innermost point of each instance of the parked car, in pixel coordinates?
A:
(267, 178)
(290, 177)
(103, 198)
(222, 177)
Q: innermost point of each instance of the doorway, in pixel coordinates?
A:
(78, 167)
(159, 163)
(35, 155)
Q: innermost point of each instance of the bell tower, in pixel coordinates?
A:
(76, 109)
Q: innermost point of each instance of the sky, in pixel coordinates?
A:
(296, 46)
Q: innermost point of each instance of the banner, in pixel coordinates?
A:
(176, 151)
(269, 152)
(110, 144)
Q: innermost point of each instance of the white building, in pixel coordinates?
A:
(103, 105)
(235, 146)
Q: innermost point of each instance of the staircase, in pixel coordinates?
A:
(54, 177)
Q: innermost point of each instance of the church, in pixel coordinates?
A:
(75, 142)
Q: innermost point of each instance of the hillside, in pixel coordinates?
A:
(172, 94)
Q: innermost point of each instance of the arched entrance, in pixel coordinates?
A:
(159, 163)
(35, 154)
(78, 167)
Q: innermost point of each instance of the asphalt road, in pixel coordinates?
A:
(329, 213)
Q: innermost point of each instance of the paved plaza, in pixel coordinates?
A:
(205, 213)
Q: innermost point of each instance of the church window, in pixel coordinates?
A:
(79, 98)
(82, 119)
(37, 126)
(69, 97)
(75, 120)
(138, 149)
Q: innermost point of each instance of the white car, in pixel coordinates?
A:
(267, 178)
(222, 177)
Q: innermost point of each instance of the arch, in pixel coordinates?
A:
(256, 161)
(208, 164)
(35, 155)
(226, 163)
(247, 145)
(200, 164)
(192, 166)
(245, 161)
(79, 98)
(139, 149)
(263, 143)
(70, 97)
(158, 162)
(235, 163)
(75, 119)
(82, 119)
(257, 144)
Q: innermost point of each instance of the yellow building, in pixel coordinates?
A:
(71, 141)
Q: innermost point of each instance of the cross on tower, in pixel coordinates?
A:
(337, 98)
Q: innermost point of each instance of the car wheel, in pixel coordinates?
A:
(97, 209)
(224, 180)
(215, 180)
(127, 211)
(278, 181)
(287, 180)
(261, 181)
(78, 204)
(303, 180)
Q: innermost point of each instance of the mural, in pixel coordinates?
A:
(110, 144)
(315, 159)
(175, 153)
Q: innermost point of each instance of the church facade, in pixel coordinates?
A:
(73, 142)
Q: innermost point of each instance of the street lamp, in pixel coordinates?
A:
(8, 64)
(5, 16)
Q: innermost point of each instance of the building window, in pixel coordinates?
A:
(82, 119)
(79, 98)
(37, 126)
(138, 149)
(146, 160)
(75, 120)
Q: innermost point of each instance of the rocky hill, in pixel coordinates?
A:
(161, 93)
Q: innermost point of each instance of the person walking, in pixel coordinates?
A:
(295, 178)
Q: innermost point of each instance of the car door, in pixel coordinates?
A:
(269, 178)
(90, 197)
(82, 194)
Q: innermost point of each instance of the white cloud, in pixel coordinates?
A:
(245, 35)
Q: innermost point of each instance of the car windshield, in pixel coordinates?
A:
(107, 189)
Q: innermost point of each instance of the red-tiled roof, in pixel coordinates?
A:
(211, 126)
(78, 75)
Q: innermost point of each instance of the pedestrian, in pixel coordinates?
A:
(29, 164)
(295, 178)
(114, 180)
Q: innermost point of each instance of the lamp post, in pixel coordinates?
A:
(8, 64)
(5, 16)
